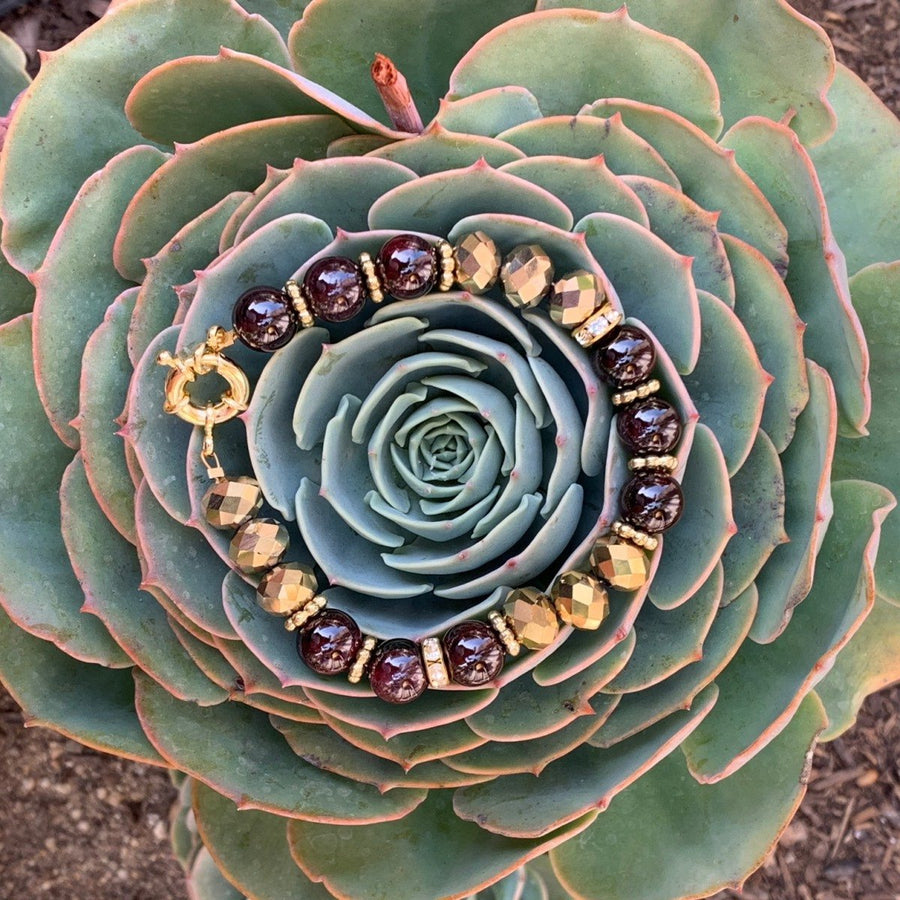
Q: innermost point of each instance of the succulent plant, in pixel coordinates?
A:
(732, 185)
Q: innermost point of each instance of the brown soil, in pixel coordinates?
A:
(79, 824)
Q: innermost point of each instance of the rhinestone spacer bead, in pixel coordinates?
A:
(504, 632)
(640, 463)
(448, 266)
(597, 326)
(298, 301)
(357, 670)
(370, 274)
(623, 398)
(301, 616)
(435, 667)
(633, 536)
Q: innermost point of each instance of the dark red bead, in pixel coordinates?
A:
(474, 653)
(397, 673)
(649, 426)
(335, 289)
(408, 266)
(329, 642)
(264, 318)
(652, 502)
(625, 358)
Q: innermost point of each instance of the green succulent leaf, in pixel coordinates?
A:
(764, 685)
(16, 291)
(234, 750)
(863, 199)
(738, 39)
(13, 77)
(250, 848)
(875, 292)
(649, 67)
(39, 176)
(868, 663)
(88, 703)
(431, 848)
(206, 881)
(711, 836)
(489, 112)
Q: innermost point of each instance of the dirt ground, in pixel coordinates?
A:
(79, 825)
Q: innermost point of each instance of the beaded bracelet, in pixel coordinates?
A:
(471, 653)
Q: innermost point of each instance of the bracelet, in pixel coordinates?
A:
(471, 653)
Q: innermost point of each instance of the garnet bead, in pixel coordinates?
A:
(408, 266)
(264, 318)
(397, 673)
(649, 426)
(335, 288)
(474, 653)
(652, 502)
(329, 643)
(625, 358)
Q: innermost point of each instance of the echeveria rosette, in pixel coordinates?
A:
(698, 163)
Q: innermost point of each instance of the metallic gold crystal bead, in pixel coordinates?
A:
(435, 666)
(527, 274)
(286, 588)
(647, 389)
(575, 297)
(232, 501)
(595, 328)
(448, 265)
(580, 600)
(642, 463)
(477, 262)
(620, 564)
(531, 617)
(299, 618)
(370, 274)
(362, 660)
(633, 536)
(301, 307)
(258, 545)
(504, 632)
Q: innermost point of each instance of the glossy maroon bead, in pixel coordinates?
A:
(334, 288)
(649, 426)
(329, 642)
(625, 358)
(408, 266)
(264, 318)
(652, 502)
(474, 653)
(397, 673)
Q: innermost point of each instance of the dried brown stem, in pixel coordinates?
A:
(395, 95)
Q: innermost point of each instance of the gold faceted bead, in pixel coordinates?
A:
(575, 297)
(621, 565)
(580, 600)
(258, 545)
(232, 501)
(286, 588)
(527, 274)
(531, 617)
(477, 262)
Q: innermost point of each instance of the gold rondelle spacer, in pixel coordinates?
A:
(597, 325)
(633, 536)
(370, 273)
(362, 660)
(504, 632)
(299, 618)
(435, 667)
(640, 463)
(647, 389)
(448, 266)
(298, 301)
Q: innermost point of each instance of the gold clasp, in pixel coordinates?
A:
(204, 359)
